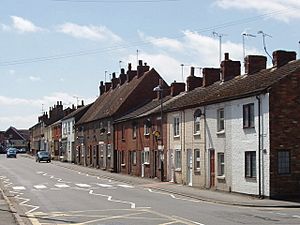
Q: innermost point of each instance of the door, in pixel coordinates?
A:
(143, 163)
(155, 163)
(97, 156)
(189, 170)
(212, 167)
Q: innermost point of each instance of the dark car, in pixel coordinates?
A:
(43, 156)
(11, 153)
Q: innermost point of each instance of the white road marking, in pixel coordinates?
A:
(40, 186)
(109, 198)
(105, 185)
(125, 186)
(83, 185)
(18, 188)
(296, 216)
(61, 185)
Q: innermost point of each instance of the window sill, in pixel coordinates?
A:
(196, 134)
(146, 164)
(177, 136)
(178, 170)
(147, 135)
(221, 177)
(123, 164)
(221, 132)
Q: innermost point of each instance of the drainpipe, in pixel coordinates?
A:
(205, 150)
(259, 146)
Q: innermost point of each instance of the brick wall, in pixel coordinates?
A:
(285, 135)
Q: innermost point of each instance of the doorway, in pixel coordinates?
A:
(212, 167)
(189, 170)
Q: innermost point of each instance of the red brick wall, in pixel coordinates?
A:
(285, 135)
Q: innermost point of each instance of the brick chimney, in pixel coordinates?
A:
(101, 88)
(281, 57)
(107, 86)
(210, 76)
(255, 63)
(130, 73)
(230, 68)
(193, 82)
(114, 81)
(122, 77)
(177, 88)
(141, 69)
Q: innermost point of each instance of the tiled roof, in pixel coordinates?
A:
(78, 112)
(109, 103)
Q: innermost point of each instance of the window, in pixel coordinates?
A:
(221, 124)
(284, 162)
(176, 126)
(73, 126)
(248, 115)
(177, 159)
(133, 157)
(123, 132)
(221, 164)
(134, 129)
(64, 128)
(108, 127)
(250, 164)
(146, 156)
(146, 129)
(197, 115)
(197, 159)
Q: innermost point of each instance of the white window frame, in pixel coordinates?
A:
(197, 124)
(108, 127)
(134, 131)
(197, 162)
(176, 126)
(133, 159)
(221, 120)
(250, 164)
(146, 156)
(146, 130)
(221, 164)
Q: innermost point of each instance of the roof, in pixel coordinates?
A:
(78, 113)
(236, 88)
(112, 102)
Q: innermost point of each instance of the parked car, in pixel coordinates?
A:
(22, 150)
(43, 156)
(11, 153)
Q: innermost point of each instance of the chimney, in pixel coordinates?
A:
(114, 81)
(177, 88)
(122, 77)
(281, 57)
(101, 88)
(193, 82)
(255, 63)
(107, 86)
(142, 69)
(130, 73)
(210, 76)
(229, 68)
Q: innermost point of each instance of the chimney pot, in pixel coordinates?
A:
(122, 71)
(129, 66)
(230, 68)
(140, 62)
(226, 56)
(192, 71)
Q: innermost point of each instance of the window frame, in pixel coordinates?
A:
(178, 160)
(221, 164)
(220, 120)
(248, 116)
(123, 132)
(197, 160)
(146, 156)
(146, 130)
(176, 126)
(133, 157)
(281, 163)
(134, 131)
(197, 119)
(250, 164)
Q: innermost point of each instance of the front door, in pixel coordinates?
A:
(212, 167)
(189, 170)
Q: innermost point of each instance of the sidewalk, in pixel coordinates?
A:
(185, 191)
(6, 214)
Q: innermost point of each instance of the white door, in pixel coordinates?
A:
(189, 167)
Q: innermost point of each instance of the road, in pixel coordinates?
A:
(45, 193)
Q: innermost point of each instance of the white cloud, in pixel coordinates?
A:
(168, 43)
(12, 72)
(95, 33)
(5, 27)
(20, 122)
(22, 25)
(34, 78)
(284, 10)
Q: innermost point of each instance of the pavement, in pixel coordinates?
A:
(9, 216)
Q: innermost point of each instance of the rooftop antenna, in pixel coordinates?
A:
(264, 35)
(137, 57)
(105, 73)
(299, 48)
(120, 64)
(42, 108)
(245, 34)
(182, 71)
(77, 100)
(215, 34)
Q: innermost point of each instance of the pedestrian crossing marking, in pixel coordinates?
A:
(41, 186)
(19, 188)
(61, 185)
(105, 185)
(83, 185)
(125, 186)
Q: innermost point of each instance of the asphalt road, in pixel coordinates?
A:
(44, 193)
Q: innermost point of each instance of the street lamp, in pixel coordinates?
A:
(159, 90)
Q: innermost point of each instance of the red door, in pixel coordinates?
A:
(212, 167)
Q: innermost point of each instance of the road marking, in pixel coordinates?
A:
(125, 186)
(105, 185)
(19, 188)
(40, 186)
(296, 216)
(61, 185)
(83, 185)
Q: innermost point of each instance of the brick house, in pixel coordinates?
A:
(16, 138)
(95, 131)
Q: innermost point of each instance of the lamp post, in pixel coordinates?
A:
(159, 89)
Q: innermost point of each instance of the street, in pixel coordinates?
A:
(44, 193)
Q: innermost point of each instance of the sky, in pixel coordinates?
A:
(60, 50)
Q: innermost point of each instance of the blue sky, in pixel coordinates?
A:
(59, 50)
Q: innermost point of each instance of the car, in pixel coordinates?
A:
(11, 153)
(43, 156)
(22, 150)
